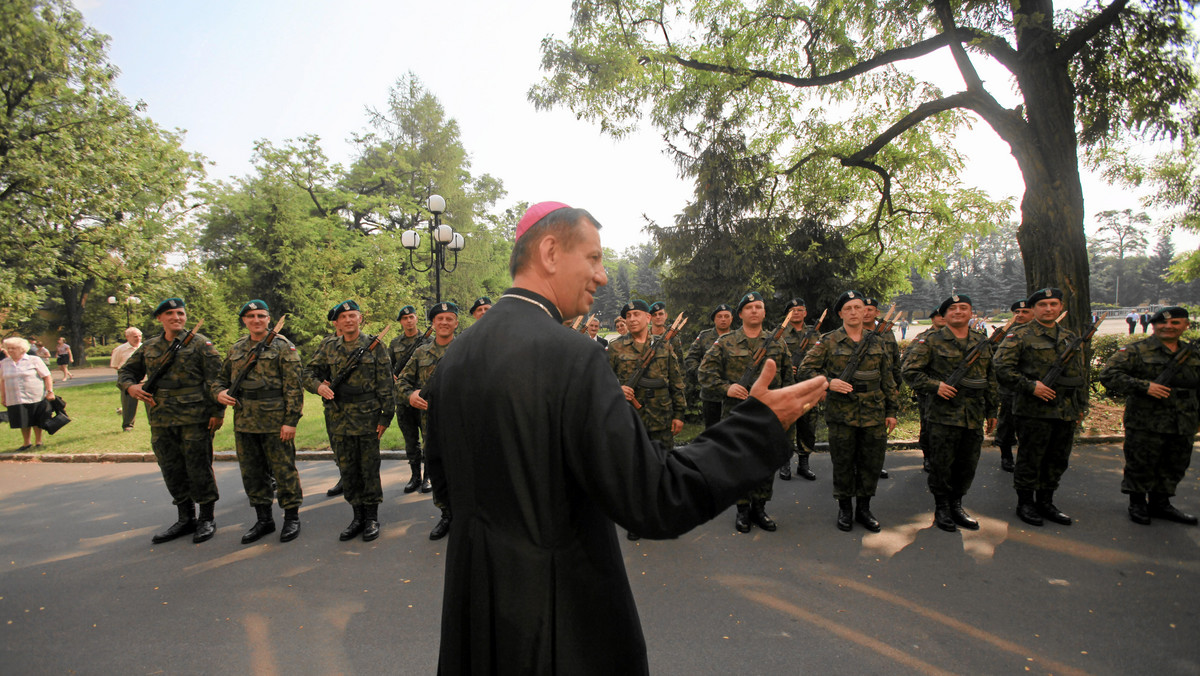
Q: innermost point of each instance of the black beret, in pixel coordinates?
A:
(405, 311)
(344, 306)
(846, 298)
(634, 305)
(935, 312)
(871, 302)
(440, 308)
(720, 308)
(795, 302)
(1173, 312)
(1044, 294)
(255, 304)
(1022, 304)
(956, 298)
(751, 297)
(480, 302)
(169, 304)
(657, 305)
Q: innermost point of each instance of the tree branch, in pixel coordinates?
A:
(1079, 37)
(965, 67)
(918, 115)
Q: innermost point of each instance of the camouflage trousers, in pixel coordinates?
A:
(806, 433)
(1006, 425)
(953, 457)
(663, 437)
(408, 419)
(1155, 463)
(1044, 454)
(857, 455)
(185, 456)
(923, 435)
(358, 462)
(262, 456)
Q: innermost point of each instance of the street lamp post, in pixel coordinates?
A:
(442, 237)
(129, 302)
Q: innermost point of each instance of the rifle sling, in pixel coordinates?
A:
(652, 383)
(179, 391)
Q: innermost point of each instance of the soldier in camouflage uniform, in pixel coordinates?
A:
(937, 321)
(860, 412)
(408, 419)
(800, 339)
(870, 321)
(710, 402)
(723, 366)
(444, 318)
(658, 326)
(955, 414)
(266, 410)
(1006, 428)
(183, 417)
(1160, 420)
(356, 414)
(480, 307)
(1046, 417)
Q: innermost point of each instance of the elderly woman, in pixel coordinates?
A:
(25, 382)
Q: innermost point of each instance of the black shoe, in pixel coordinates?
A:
(186, 524)
(206, 524)
(742, 521)
(1006, 460)
(1161, 508)
(845, 517)
(370, 529)
(442, 527)
(263, 525)
(961, 518)
(863, 515)
(883, 474)
(426, 487)
(759, 516)
(1028, 513)
(941, 515)
(415, 481)
(802, 469)
(925, 466)
(291, 525)
(630, 535)
(336, 490)
(1139, 512)
(355, 527)
(1045, 507)
(785, 472)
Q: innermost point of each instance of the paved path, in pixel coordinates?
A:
(82, 590)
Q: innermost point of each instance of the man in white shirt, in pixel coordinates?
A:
(121, 354)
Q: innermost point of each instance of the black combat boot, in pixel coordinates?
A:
(370, 522)
(802, 469)
(845, 517)
(883, 474)
(1161, 508)
(291, 524)
(1026, 511)
(1045, 507)
(206, 523)
(742, 520)
(785, 472)
(941, 514)
(1006, 459)
(863, 515)
(356, 525)
(336, 490)
(632, 536)
(415, 481)
(758, 514)
(186, 524)
(960, 515)
(1138, 511)
(426, 486)
(442, 527)
(265, 524)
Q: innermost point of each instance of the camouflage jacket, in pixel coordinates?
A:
(676, 342)
(184, 394)
(695, 354)
(728, 357)
(367, 398)
(889, 338)
(400, 345)
(935, 355)
(875, 394)
(794, 338)
(271, 395)
(1023, 359)
(1130, 371)
(420, 368)
(660, 390)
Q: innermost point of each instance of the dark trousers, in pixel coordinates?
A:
(1155, 463)
(806, 433)
(262, 456)
(857, 455)
(1006, 425)
(1045, 452)
(129, 408)
(953, 457)
(358, 463)
(408, 419)
(185, 456)
(712, 412)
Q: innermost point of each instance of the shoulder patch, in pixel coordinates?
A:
(1010, 335)
(208, 342)
(920, 340)
(1122, 349)
(293, 347)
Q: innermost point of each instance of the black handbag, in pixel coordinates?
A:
(58, 420)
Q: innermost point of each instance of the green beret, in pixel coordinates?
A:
(480, 302)
(255, 304)
(169, 304)
(634, 305)
(1173, 312)
(751, 297)
(935, 312)
(956, 298)
(440, 308)
(870, 302)
(1022, 304)
(657, 305)
(344, 306)
(795, 302)
(846, 298)
(1045, 294)
(405, 311)
(720, 308)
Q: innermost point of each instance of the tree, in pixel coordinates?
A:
(1120, 235)
(820, 91)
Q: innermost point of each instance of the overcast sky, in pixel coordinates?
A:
(232, 72)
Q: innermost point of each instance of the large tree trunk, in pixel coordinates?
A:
(74, 297)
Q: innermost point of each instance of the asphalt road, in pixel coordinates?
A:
(82, 589)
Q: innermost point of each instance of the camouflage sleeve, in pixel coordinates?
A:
(385, 389)
(913, 368)
(711, 373)
(1007, 361)
(991, 396)
(612, 359)
(1081, 394)
(293, 392)
(784, 368)
(1117, 374)
(132, 371)
(224, 376)
(212, 371)
(814, 361)
(675, 382)
(695, 353)
(887, 381)
(408, 377)
(317, 370)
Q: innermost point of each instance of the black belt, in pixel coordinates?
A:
(1069, 381)
(652, 383)
(179, 391)
(869, 386)
(345, 390)
(355, 398)
(262, 394)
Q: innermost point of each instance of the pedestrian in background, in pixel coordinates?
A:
(65, 357)
(120, 355)
(26, 384)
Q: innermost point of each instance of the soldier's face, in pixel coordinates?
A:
(753, 313)
(171, 320)
(480, 311)
(798, 314)
(1171, 329)
(349, 323)
(723, 320)
(852, 313)
(444, 325)
(1047, 310)
(938, 321)
(659, 317)
(869, 313)
(408, 323)
(1023, 315)
(637, 321)
(958, 314)
(256, 322)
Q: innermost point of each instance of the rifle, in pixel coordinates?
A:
(847, 374)
(355, 359)
(751, 371)
(972, 356)
(1168, 373)
(811, 333)
(655, 341)
(181, 341)
(582, 326)
(236, 387)
(403, 361)
(1060, 362)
